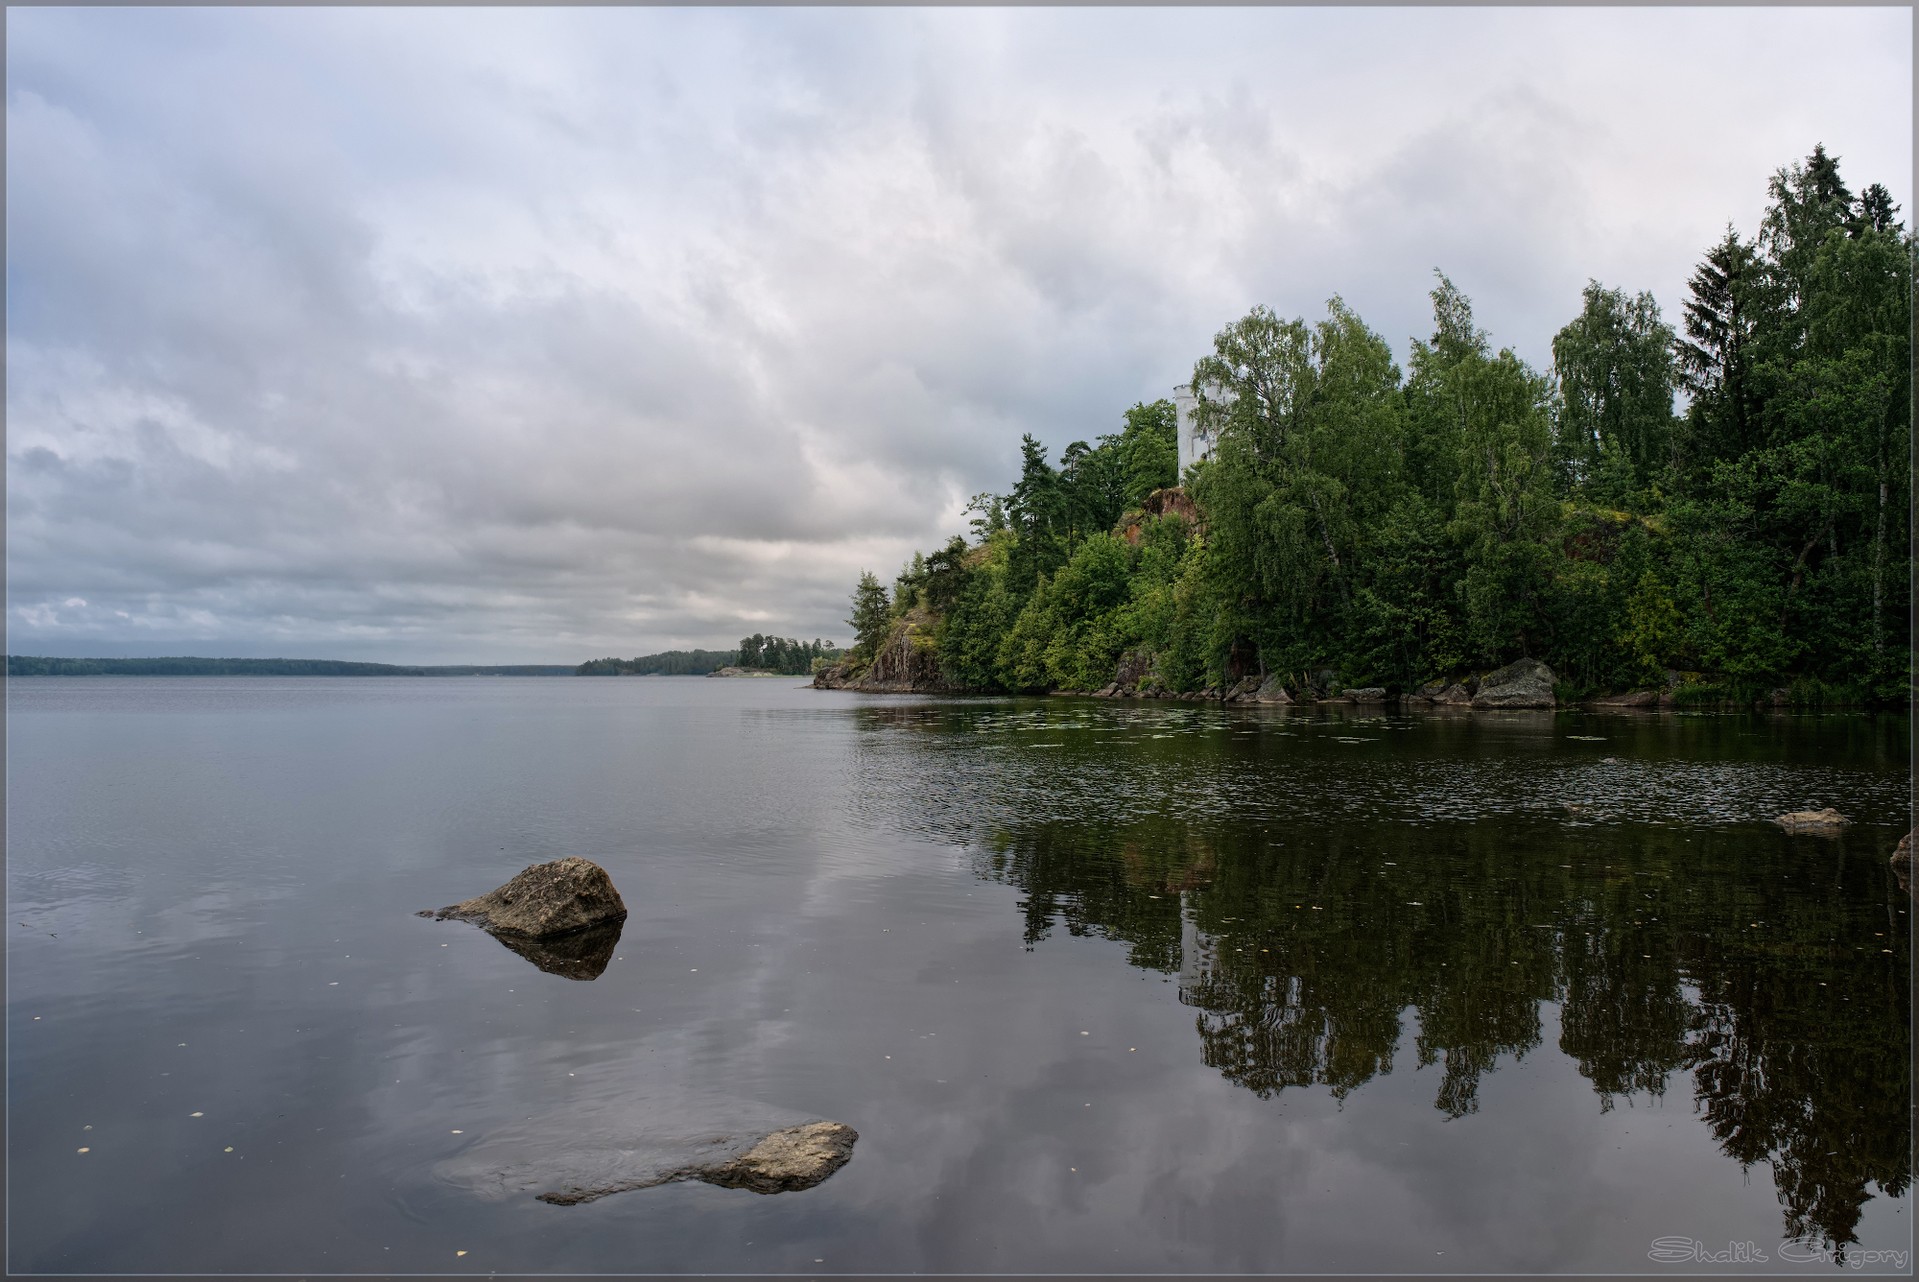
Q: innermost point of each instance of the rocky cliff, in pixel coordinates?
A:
(906, 662)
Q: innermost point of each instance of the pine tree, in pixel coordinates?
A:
(872, 614)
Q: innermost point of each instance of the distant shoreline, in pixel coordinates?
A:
(194, 666)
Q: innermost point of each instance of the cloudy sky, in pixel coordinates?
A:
(536, 335)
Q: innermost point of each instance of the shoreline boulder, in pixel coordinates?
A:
(1523, 683)
(1631, 699)
(544, 900)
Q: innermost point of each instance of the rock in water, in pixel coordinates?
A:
(797, 1157)
(1524, 683)
(583, 1155)
(1818, 823)
(544, 900)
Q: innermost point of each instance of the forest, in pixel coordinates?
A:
(785, 655)
(1717, 505)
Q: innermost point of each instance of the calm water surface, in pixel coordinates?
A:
(1146, 987)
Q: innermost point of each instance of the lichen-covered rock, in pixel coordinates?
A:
(1632, 699)
(1524, 683)
(544, 900)
(906, 661)
(797, 1157)
(1272, 690)
(639, 1141)
(1243, 689)
(1817, 823)
(1134, 666)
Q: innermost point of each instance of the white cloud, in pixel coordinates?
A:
(540, 334)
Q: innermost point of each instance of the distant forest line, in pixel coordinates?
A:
(787, 656)
(1397, 526)
(784, 655)
(26, 665)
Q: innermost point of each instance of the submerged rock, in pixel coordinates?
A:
(1818, 823)
(544, 900)
(1524, 683)
(581, 1156)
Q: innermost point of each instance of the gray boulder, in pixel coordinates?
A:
(1243, 689)
(1631, 699)
(1273, 690)
(1366, 694)
(584, 1154)
(1455, 695)
(542, 901)
(1816, 823)
(1525, 683)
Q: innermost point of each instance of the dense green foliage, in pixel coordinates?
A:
(670, 663)
(784, 655)
(1399, 526)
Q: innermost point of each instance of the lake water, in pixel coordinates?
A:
(1152, 987)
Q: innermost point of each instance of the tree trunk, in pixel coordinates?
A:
(1879, 574)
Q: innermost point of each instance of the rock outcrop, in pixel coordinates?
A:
(1272, 691)
(835, 676)
(543, 901)
(582, 1155)
(1817, 823)
(1524, 683)
(1172, 501)
(905, 662)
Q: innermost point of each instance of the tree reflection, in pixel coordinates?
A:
(1309, 953)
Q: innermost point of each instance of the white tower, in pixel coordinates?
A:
(1194, 445)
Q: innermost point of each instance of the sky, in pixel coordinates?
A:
(538, 335)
